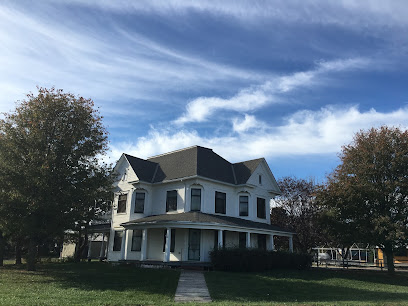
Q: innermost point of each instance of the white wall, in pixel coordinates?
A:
(155, 204)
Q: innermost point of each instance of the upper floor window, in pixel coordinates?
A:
(243, 205)
(117, 240)
(171, 201)
(220, 202)
(137, 240)
(261, 208)
(122, 203)
(139, 202)
(195, 199)
(260, 179)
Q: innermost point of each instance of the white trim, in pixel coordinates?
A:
(210, 226)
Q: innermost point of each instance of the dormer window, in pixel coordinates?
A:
(122, 203)
(260, 179)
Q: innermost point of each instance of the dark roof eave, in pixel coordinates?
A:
(198, 218)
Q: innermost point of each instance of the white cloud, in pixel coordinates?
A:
(255, 97)
(243, 125)
(303, 133)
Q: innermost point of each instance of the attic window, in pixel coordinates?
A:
(260, 179)
(124, 176)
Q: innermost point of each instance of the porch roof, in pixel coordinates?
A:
(100, 227)
(203, 218)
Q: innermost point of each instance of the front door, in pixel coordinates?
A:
(194, 244)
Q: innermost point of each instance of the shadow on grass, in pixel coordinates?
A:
(95, 276)
(307, 286)
(321, 274)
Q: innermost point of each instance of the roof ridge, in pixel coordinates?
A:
(155, 171)
(233, 173)
(178, 150)
(245, 161)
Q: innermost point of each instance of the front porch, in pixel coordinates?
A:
(173, 241)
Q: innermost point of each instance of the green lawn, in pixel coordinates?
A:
(318, 286)
(86, 284)
(102, 284)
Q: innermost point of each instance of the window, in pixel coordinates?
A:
(243, 205)
(260, 179)
(261, 209)
(195, 199)
(139, 202)
(117, 240)
(122, 203)
(261, 242)
(171, 201)
(136, 240)
(242, 240)
(172, 242)
(220, 202)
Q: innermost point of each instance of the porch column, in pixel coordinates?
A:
(291, 244)
(144, 245)
(220, 235)
(123, 247)
(89, 247)
(248, 240)
(271, 243)
(101, 252)
(167, 248)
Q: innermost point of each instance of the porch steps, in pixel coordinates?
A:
(192, 288)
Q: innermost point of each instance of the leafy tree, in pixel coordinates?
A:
(49, 171)
(297, 210)
(367, 194)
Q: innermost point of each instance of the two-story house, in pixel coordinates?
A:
(178, 206)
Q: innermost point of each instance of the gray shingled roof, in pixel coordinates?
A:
(144, 169)
(244, 170)
(191, 162)
(199, 217)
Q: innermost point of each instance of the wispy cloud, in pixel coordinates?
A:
(38, 49)
(302, 133)
(342, 12)
(255, 97)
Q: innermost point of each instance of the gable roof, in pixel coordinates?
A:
(244, 170)
(144, 169)
(190, 162)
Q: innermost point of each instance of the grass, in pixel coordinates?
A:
(102, 284)
(317, 287)
(86, 284)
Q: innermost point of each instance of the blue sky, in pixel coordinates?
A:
(291, 81)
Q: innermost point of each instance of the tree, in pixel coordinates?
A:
(297, 210)
(367, 194)
(49, 170)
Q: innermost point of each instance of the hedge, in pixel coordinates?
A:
(240, 259)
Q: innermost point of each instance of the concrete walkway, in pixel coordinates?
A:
(192, 288)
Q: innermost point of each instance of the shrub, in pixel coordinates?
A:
(237, 259)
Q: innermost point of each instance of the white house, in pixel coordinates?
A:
(176, 207)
